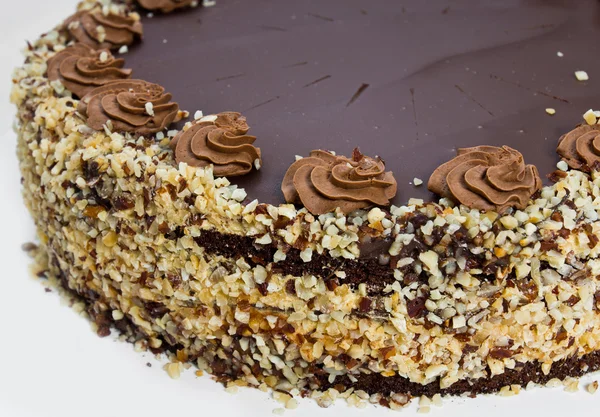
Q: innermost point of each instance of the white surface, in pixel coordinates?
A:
(54, 365)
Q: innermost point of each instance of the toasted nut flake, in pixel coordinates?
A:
(458, 322)
(435, 370)
(562, 165)
(551, 111)
(592, 388)
(509, 222)
(417, 181)
(231, 389)
(571, 385)
(110, 239)
(581, 76)
(430, 260)
(554, 382)
(375, 215)
(590, 117)
(424, 401)
(306, 254)
(174, 369)
(291, 404)
(149, 108)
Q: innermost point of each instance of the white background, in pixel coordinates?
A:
(52, 364)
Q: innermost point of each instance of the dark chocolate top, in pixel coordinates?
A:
(410, 81)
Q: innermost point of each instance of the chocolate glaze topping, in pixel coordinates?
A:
(408, 81)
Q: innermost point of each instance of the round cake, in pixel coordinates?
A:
(372, 200)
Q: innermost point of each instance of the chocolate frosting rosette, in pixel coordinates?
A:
(165, 6)
(81, 68)
(133, 106)
(487, 178)
(220, 140)
(323, 182)
(580, 148)
(101, 31)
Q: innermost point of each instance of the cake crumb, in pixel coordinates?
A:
(592, 388)
(562, 165)
(551, 111)
(417, 181)
(424, 410)
(590, 117)
(581, 76)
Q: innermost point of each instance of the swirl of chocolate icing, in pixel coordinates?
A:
(103, 31)
(219, 140)
(580, 148)
(165, 6)
(487, 178)
(131, 106)
(323, 182)
(81, 68)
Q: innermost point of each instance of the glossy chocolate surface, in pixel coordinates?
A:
(410, 81)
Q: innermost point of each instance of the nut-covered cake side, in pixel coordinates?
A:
(272, 296)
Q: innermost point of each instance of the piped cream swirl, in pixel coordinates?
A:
(323, 182)
(101, 31)
(487, 178)
(165, 6)
(81, 68)
(580, 148)
(133, 106)
(220, 140)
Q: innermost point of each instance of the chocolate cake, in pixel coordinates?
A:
(377, 200)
